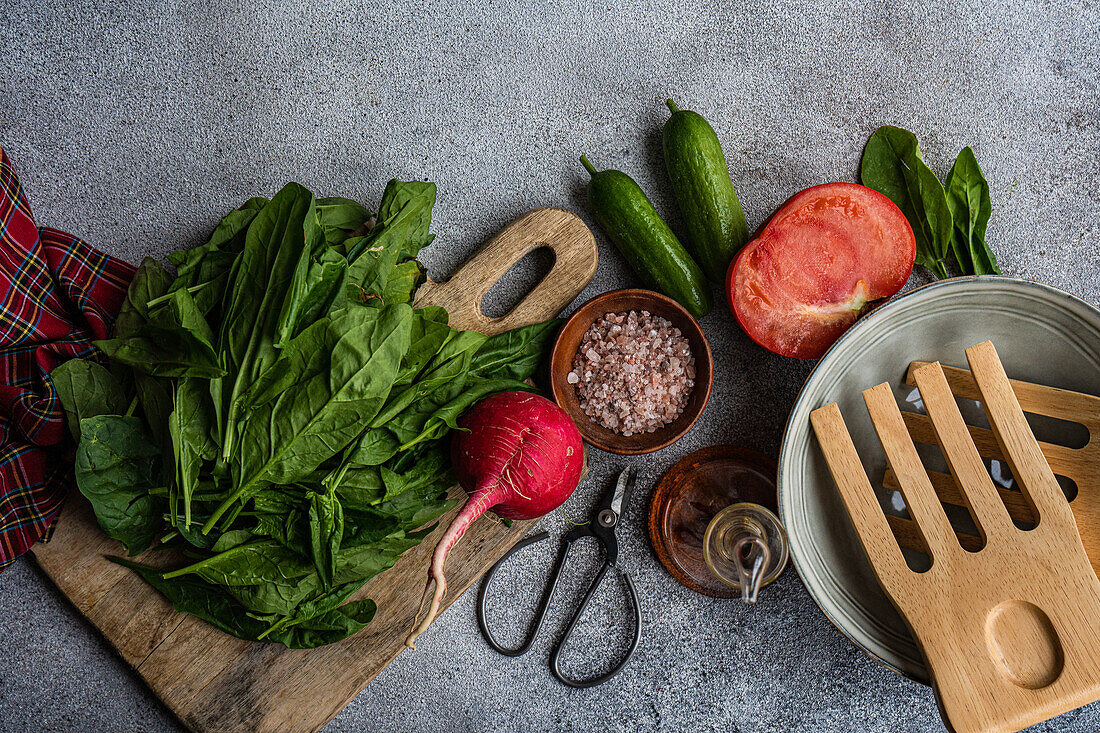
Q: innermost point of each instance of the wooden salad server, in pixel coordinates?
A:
(1080, 465)
(1007, 632)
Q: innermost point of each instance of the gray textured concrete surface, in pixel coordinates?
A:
(136, 125)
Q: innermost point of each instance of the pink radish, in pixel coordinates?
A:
(522, 457)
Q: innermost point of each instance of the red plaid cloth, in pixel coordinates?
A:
(58, 295)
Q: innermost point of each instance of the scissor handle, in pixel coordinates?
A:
(548, 597)
(555, 656)
(544, 602)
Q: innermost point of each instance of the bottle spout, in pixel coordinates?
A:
(745, 547)
(751, 558)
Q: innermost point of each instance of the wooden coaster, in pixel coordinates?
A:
(697, 487)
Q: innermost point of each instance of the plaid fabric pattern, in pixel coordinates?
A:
(57, 294)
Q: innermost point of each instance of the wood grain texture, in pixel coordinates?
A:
(1081, 464)
(214, 682)
(575, 259)
(1007, 632)
(569, 341)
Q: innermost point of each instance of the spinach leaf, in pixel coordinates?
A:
(446, 371)
(320, 275)
(515, 354)
(279, 500)
(408, 205)
(315, 398)
(402, 229)
(275, 598)
(340, 218)
(466, 368)
(318, 282)
(190, 426)
(191, 532)
(892, 165)
(316, 603)
(363, 562)
(419, 507)
(254, 297)
(219, 608)
(467, 363)
(253, 563)
(326, 530)
(362, 486)
(203, 270)
(409, 510)
(377, 446)
(425, 500)
(86, 389)
(440, 397)
(402, 283)
(150, 281)
(206, 601)
(333, 626)
(427, 471)
(445, 416)
(428, 334)
(968, 199)
(232, 538)
(280, 516)
(155, 396)
(174, 341)
(215, 541)
(116, 466)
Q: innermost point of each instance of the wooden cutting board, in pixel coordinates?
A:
(215, 682)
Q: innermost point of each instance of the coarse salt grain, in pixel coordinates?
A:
(634, 372)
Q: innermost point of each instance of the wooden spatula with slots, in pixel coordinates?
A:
(1079, 464)
(1007, 632)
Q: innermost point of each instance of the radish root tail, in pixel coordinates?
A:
(476, 505)
(437, 599)
(416, 630)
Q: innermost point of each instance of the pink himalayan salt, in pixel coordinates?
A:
(634, 372)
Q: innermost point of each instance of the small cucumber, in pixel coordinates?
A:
(653, 251)
(704, 190)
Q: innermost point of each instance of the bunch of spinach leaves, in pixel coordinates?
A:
(276, 410)
(946, 219)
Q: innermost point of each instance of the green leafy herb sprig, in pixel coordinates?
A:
(275, 411)
(947, 219)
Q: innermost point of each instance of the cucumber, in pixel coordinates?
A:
(638, 231)
(703, 188)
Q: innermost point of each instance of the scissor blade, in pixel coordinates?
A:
(623, 489)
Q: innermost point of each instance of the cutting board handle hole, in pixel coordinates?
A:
(518, 282)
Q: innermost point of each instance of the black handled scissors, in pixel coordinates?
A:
(602, 526)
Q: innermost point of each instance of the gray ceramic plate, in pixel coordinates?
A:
(1042, 335)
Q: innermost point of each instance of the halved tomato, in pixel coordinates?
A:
(828, 252)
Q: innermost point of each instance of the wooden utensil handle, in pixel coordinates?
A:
(575, 258)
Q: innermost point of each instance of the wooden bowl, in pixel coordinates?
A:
(569, 340)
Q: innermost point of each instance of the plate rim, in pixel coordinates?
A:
(857, 331)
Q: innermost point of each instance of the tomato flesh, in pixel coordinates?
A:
(825, 254)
